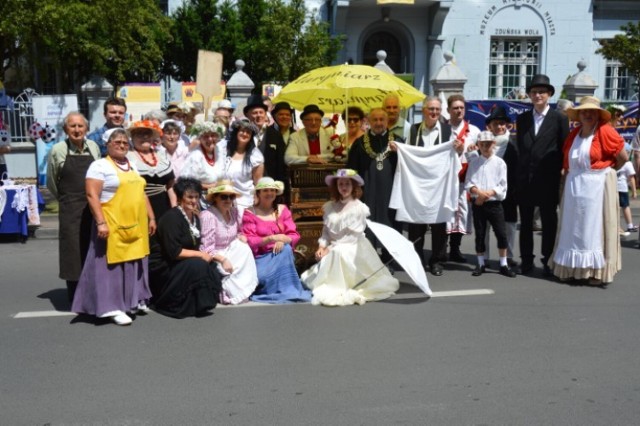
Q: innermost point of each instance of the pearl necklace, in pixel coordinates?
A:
(193, 228)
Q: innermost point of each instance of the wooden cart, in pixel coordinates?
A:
(308, 194)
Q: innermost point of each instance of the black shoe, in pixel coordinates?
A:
(478, 271)
(456, 256)
(507, 272)
(546, 271)
(436, 269)
(512, 263)
(526, 268)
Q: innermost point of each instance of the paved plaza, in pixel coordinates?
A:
(483, 351)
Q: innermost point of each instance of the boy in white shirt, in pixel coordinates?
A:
(487, 183)
(626, 179)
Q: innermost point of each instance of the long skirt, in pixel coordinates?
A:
(278, 281)
(588, 244)
(333, 280)
(103, 288)
(186, 288)
(240, 284)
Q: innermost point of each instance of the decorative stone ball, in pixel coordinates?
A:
(5, 137)
(36, 131)
(49, 133)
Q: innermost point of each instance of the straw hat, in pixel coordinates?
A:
(269, 183)
(589, 102)
(221, 187)
(344, 173)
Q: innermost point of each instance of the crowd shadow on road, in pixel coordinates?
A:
(58, 298)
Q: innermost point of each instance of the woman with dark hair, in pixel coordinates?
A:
(114, 279)
(353, 117)
(271, 234)
(349, 270)
(588, 247)
(244, 164)
(184, 280)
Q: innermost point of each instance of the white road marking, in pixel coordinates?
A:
(401, 296)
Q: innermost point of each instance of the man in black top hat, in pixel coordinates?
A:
(311, 144)
(540, 135)
(282, 114)
(268, 139)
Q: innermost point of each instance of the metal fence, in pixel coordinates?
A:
(17, 116)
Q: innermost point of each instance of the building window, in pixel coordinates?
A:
(512, 63)
(618, 84)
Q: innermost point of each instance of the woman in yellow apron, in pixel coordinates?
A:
(114, 279)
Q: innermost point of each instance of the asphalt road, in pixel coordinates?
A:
(532, 352)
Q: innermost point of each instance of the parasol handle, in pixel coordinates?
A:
(384, 265)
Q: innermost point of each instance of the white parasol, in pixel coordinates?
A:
(403, 252)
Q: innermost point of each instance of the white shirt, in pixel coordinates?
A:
(105, 171)
(487, 174)
(431, 136)
(624, 173)
(539, 118)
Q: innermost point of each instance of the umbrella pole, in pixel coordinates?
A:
(362, 281)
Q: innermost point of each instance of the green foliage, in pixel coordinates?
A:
(278, 40)
(119, 39)
(625, 48)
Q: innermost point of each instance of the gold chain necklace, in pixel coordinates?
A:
(378, 156)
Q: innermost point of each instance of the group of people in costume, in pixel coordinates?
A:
(152, 218)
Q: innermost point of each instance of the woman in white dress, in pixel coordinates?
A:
(222, 238)
(349, 270)
(588, 247)
(244, 163)
(203, 163)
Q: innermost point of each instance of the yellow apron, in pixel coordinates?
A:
(126, 216)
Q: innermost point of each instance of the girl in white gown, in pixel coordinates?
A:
(349, 270)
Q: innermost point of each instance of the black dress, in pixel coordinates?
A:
(180, 287)
(157, 178)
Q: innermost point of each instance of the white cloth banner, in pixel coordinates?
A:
(425, 186)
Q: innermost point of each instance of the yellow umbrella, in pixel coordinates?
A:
(334, 88)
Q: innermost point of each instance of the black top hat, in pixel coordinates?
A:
(308, 109)
(540, 80)
(497, 113)
(254, 101)
(281, 105)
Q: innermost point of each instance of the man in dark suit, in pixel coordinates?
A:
(268, 139)
(540, 135)
(432, 131)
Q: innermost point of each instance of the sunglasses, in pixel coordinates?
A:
(353, 119)
(121, 143)
(225, 197)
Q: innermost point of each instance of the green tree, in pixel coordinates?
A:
(278, 40)
(122, 40)
(625, 48)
